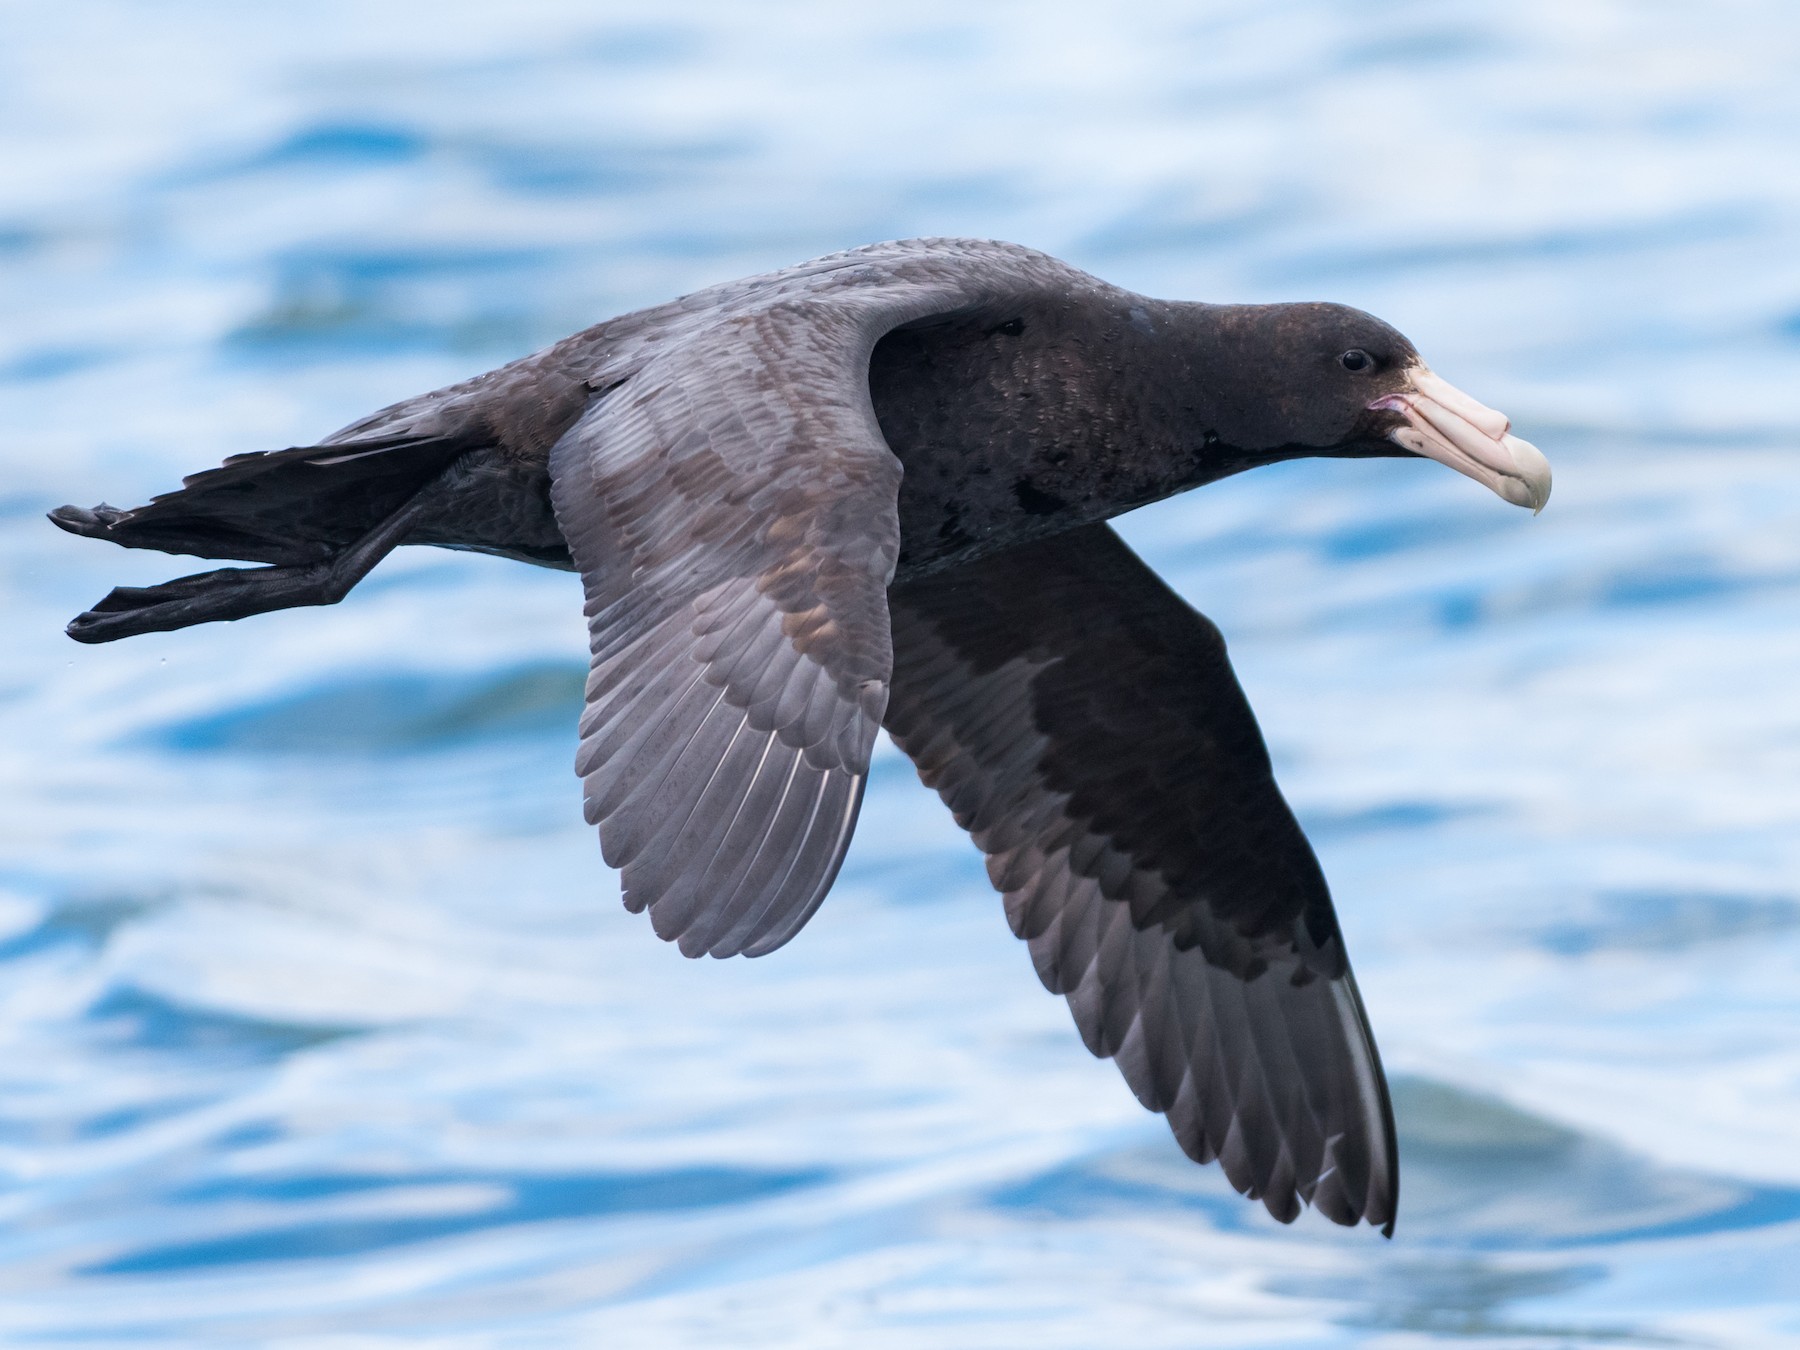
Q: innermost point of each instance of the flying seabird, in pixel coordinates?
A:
(871, 490)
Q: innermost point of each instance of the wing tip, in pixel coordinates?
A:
(760, 922)
(89, 524)
(1355, 1181)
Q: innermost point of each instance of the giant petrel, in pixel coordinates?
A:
(872, 490)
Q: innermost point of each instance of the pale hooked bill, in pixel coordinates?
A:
(1445, 424)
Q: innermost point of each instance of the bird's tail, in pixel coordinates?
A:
(285, 507)
(321, 515)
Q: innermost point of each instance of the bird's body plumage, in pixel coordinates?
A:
(870, 488)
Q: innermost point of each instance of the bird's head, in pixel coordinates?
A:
(1352, 385)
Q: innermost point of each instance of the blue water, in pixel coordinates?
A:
(320, 1022)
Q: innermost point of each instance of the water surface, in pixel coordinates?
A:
(320, 1021)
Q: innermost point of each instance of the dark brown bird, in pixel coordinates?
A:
(870, 490)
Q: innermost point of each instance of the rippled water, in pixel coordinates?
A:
(320, 1022)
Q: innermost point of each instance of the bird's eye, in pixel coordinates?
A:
(1356, 359)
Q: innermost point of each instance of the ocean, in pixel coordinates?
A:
(321, 1024)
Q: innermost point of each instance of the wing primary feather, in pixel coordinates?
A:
(750, 880)
(615, 774)
(1215, 1093)
(1080, 939)
(845, 814)
(623, 737)
(631, 820)
(1255, 1109)
(715, 884)
(620, 688)
(766, 903)
(1279, 1012)
(1298, 1132)
(1383, 1190)
(1165, 1060)
(1112, 977)
(664, 814)
(688, 844)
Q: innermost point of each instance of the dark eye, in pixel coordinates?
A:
(1356, 359)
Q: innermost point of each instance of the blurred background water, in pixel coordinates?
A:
(320, 1022)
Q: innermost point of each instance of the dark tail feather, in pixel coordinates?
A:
(208, 597)
(323, 515)
(287, 507)
(321, 577)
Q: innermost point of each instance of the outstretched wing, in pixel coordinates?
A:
(1085, 726)
(732, 507)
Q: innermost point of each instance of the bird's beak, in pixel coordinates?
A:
(1445, 424)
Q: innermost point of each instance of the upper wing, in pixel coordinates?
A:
(1084, 725)
(732, 507)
